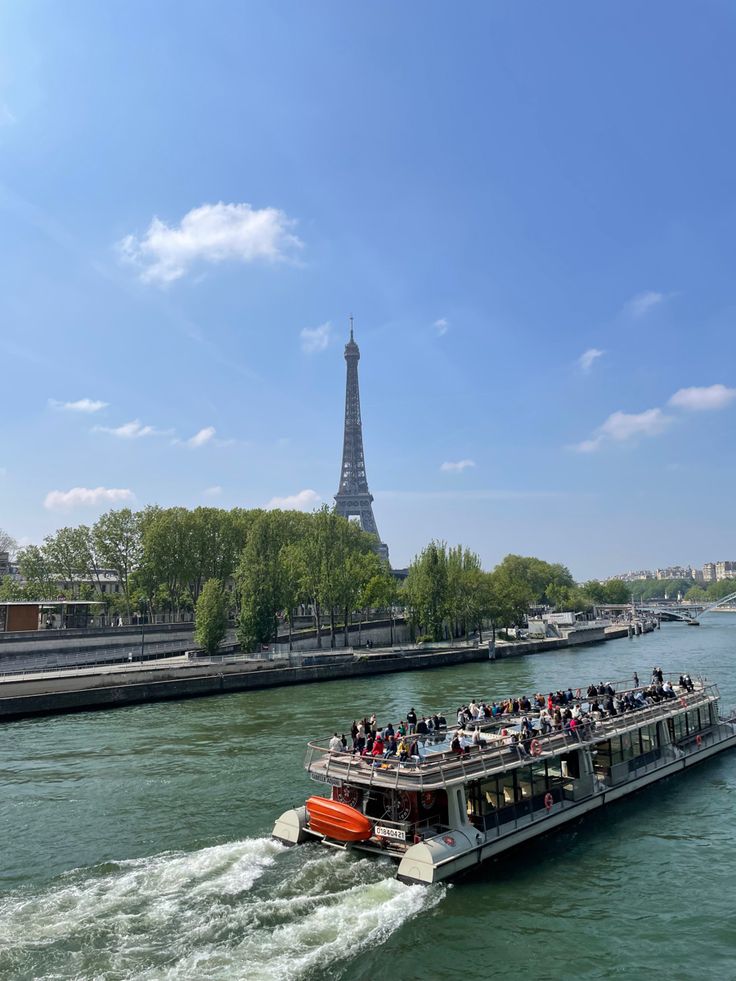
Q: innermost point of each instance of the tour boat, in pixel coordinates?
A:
(445, 813)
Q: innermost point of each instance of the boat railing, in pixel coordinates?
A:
(489, 759)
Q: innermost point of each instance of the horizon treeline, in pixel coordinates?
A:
(270, 563)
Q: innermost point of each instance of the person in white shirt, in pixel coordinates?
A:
(336, 744)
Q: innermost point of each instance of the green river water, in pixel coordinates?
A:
(135, 844)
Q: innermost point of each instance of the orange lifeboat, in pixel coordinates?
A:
(337, 821)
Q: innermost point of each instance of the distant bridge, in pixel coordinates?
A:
(682, 612)
(687, 613)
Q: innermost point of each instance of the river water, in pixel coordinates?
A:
(134, 844)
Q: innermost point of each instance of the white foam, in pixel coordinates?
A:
(248, 909)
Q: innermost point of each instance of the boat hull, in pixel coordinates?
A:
(450, 854)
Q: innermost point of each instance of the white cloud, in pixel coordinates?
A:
(622, 426)
(586, 359)
(81, 405)
(457, 467)
(201, 438)
(703, 399)
(214, 491)
(132, 430)
(85, 497)
(212, 233)
(315, 339)
(441, 326)
(305, 500)
(642, 303)
(588, 445)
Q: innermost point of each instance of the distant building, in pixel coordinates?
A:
(725, 570)
(709, 572)
(675, 572)
(637, 576)
(8, 568)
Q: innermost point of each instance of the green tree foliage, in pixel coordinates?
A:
(210, 622)
(427, 590)
(117, 542)
(34, 569)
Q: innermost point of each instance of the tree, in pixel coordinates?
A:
(617, 591)
(34, 570)
(117, 542)
(511, 597)
(427, 589)
(210, 622)
(260, 581)
(7, 543)
(67, 557)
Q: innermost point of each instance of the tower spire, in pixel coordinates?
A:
(353, 499)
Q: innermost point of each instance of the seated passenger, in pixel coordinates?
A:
(378, 747)
(403, 750)
(336, 744)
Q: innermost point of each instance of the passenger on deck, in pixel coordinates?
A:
(378, 747)
(336, 744)
(411, 719)
(392, 747)
(422, 729)
(403, 750)
(457, 747)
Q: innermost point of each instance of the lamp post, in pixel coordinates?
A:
(143, 635)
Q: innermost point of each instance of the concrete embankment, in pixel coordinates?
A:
(85, 689)
(74, 693)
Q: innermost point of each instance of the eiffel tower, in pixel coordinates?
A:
(353, 499)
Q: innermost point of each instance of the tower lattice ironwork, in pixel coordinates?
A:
(353, 499)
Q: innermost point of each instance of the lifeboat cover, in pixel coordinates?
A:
(338, 821)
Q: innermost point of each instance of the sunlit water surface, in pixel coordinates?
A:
(134, 844)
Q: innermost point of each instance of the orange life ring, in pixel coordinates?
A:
(683, 701)
(548, 801)
(698, 739)
(535, 747)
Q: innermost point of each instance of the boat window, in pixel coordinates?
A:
(602, 758)
(628, 752)
(693, 720)
(648, 736)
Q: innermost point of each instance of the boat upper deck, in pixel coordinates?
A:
(443, 768)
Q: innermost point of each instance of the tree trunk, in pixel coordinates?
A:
(360, 628)
(347, 631)
(480, 631)
(291, 627)
(332, 628)
(318, 624)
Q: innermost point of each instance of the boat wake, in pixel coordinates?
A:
(251, 908)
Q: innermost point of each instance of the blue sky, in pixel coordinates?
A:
(193, 199)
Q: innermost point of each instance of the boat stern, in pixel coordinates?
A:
(438, 858)
(290, 828)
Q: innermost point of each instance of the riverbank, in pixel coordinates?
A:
(84, 689)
